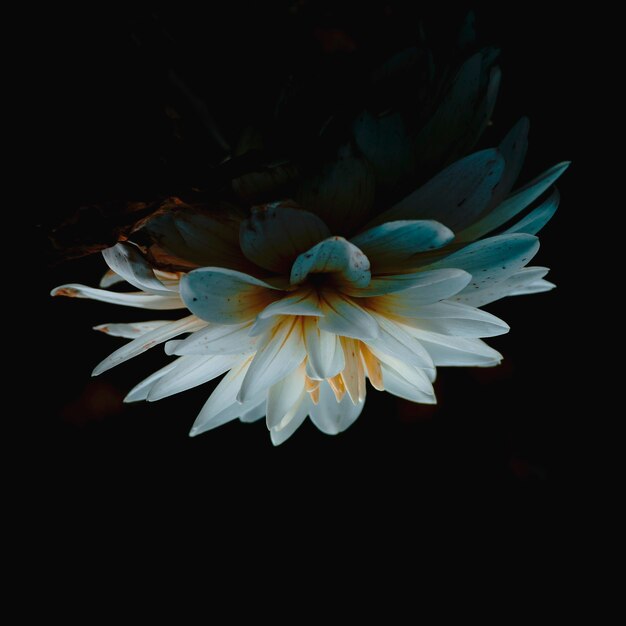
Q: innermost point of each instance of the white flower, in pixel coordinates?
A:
(298, 317)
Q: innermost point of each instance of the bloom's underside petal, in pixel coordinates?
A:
(393, 244)
(126, 261)
(279, 352)
(532, 223)
(280, 436)
(216, 339)
(275, 235)
(324, 354)
(515, 203)
(333, 256)
(456, 351)
(342, 194)
(372, 365)
(192, 372)
(225, 296)
(513, 148)
(353, 373)
(283, 398)
(130, 331)
(332, 417)
(425, 286)
(139, 300)
(397, 342)
(147, 341)
(456, 196)
(254, 414)
(345, 318)
(521, 280)
(302, 302)
(404, 380)
(457, 320)
(385, 142)
(141, 390)
(493, 259)
(539, 286)
(109, 279)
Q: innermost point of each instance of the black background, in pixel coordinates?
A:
(99, 99)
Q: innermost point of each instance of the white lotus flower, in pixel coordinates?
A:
(298, 318)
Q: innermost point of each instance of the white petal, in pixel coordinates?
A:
(276, 234)
(539, 286)
(456, 351)
(501, 289)
(283, 399)
(140, 300)
(147, 341)
(513, 148)
(109, 279)
(254, 414)
(325, 356)
(353, 374)
(332, 417)
(392, 245)
(458, 320)
(334, 256)
(493, 259)
(126, 261)
(130, 331)
(142, 389)
(302, 302)
(225, 296)
(418, 379)
(279, 353)
(404, 387)
(280, 436)
(430, 285)
(537, 218)
(456, 196)
(195, 371)
(216, 339)
(396, 341)
(344, 317)
(515, 203)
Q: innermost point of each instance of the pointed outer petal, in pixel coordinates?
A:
(325, 356)
(493, 259)
(450, 121)
(336, 256)
(280, 436)
(429, 286)
(457, 320)
(194, 372)
(283, 399)
(142, 389)
(353, 374)
(393, 244)
(343, 317)
(338, 386)
(230, 413)
(532, 223)
(372, 365)
(456, 196)
(109, 279)
(515, 203)
(332, 417)
(384, 140)
(456, 351)
(397, 342)
(501, 289)
(126, 261)
(279, 352)
(513, 148)
(276, 234)
(200, 239)
(147, 341)
(254, 414)
(137, 299)
(225, 296)
(342, 194)
(301, 302)
(216, 339)
(224, 397)
(130, 331)
(539, 286)
(405, 381)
